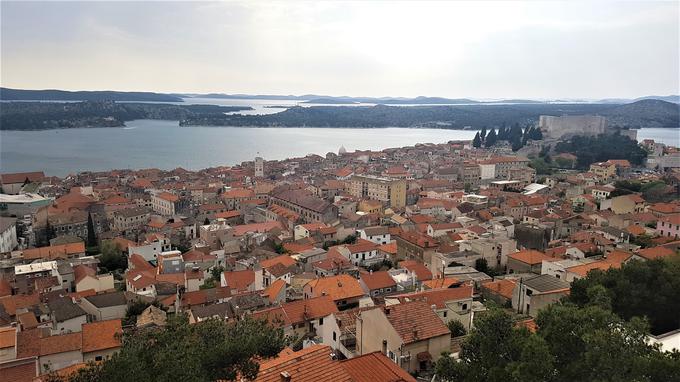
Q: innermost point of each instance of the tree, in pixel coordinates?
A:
(638, 289)
(490, 139)
(482, 136)
(206, 221)
(602, 148)
(477, 141)
(91, 234)
(206, 351)
(111, 257)
(457, 328)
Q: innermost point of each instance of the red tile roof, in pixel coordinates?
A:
(240, 280)
(656, 252)
(61, 343)
(101, 335)
(340, 287)
(378, 280)
(313, 364)
(530, 256)
(54, 252)
(502, 287)
(375, 367)
(438, 297)
(415, 321)
(419, 269)
(298, 312)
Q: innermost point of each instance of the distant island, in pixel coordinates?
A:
(647, 113)
(60, 115)
(7, 94)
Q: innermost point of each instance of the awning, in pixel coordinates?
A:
(424, 356)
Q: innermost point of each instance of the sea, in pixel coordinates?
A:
(166, 145)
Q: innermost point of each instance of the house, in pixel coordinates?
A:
(624, 204)
(363, 253)
(499, 291)
(66, 315)
(343, 289)
(130, 218)
(373, 367)
(86, 278)
(450, 304)
(12, 183)
(301, 317)
(603, 170)
(59, 351)
(8, 234)
(26, 275)
(239, 281)
(533, 294)
(106, 306)
(410, 334)
(165, 203)
(527, 261)
(312, 364)
(101, 339)
(379, 234)
(377, 283)
(55, 252)
(669, 226)
(220, 311)
(8, 343)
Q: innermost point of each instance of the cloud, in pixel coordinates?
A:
(456, 49)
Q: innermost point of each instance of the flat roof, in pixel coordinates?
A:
(35, 267)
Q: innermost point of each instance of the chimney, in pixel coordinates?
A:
(285, 376)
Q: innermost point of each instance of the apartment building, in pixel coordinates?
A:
(392, 191)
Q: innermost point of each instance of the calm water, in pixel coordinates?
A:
(164, 144)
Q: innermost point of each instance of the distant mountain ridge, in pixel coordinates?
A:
(7, 94)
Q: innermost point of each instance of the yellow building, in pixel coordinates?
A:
(392, 191)
(603, 170)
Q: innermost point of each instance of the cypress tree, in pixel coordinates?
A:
(477, 141)
(91, 236)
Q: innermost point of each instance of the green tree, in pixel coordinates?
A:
(457, 328)
(91, 234)
(482, 135)
(111, 257)
(207, 351)
(490, 139)
(477, 141)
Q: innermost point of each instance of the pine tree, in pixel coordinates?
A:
(91, 235)
(482, 136)
(477, 141)
(490, 138)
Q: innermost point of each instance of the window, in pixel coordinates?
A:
(464, 308)
(445, 311)
(334, 336)
(321, 321)
(98, 358)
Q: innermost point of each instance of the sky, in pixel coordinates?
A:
(483, 49)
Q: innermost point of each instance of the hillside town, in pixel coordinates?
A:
(375, 265)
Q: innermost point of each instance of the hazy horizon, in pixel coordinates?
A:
(480, 50)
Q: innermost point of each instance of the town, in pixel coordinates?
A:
(367, 265)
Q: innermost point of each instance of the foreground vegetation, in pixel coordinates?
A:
(599, 333)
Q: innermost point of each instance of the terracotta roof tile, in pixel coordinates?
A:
(313, 364)
(338, 287)
(415, 321)
(530, 256)
(374, 367)
(61, 343)
(378, 280)
(101, 335)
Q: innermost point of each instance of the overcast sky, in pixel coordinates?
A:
(481, 50)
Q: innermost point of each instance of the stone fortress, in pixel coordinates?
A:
(570, 125)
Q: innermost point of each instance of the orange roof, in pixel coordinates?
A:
(530, 256)
(374, 367)
(419, 269)
(362, 245)
(295, 248)
(82, 271)
(168, 196)
(284, 260)
(582, 270)
(274, 289)
(635, 230)
(298, 312)
(227, 214)
(415, 321)
(238, 193)
(440, 283)
(313, 364)
(655, 252)
(673, 219)
(8, 337)
(101, 335)
(20, 177)
(61, 343)
(390, 248)
(340, 287)
(55, 251)
(18, 301)
(240, 280)
(502, 287)
(377, 280)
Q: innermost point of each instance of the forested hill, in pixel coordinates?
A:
(7, 94)
(53, 115)
(638, 114)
